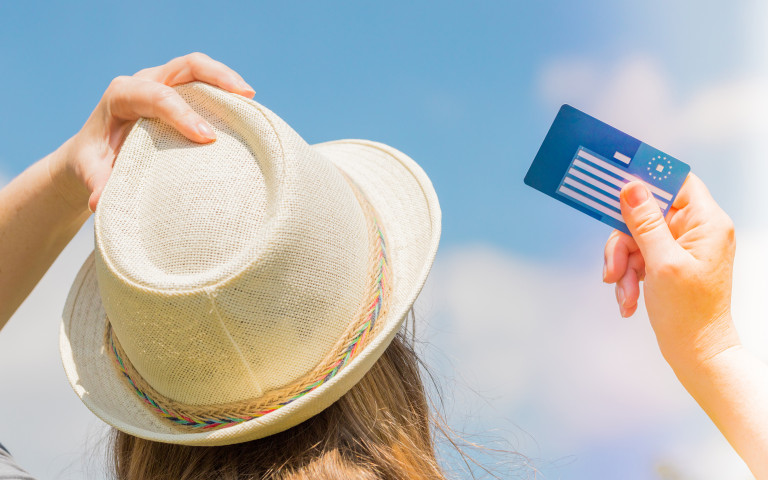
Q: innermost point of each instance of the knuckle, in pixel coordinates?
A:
(196, 57)
(187, 115)
(722, 228)
(163, 96)
(665, 269)
(118, 82)
(729, 236)
(144, 72)
(647, 223)
(163, 100)
(729, 229)
(636, 261)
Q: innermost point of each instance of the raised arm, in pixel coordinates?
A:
(687, 266)
(43, 208)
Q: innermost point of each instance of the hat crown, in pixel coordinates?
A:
(231, 269)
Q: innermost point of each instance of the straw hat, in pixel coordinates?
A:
(240, 287)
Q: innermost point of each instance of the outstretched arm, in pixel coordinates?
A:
(686, 262)
(43, 208)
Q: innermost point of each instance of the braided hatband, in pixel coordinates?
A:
(227, 415)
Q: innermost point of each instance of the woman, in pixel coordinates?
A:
(380, 426)
(228, 311)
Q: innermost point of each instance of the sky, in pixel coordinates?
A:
(514, 317)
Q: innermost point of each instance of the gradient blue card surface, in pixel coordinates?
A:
(584, 162)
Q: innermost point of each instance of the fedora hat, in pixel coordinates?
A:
(240, 287)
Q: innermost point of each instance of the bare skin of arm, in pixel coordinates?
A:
(686, 264)
(43, 208)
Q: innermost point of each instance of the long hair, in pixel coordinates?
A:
(381, 429)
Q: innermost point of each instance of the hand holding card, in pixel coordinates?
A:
(687, 265)
(682, 247)
(584, 163)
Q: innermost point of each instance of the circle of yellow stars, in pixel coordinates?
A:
(660, 161)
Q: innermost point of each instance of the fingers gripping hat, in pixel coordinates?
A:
(240, 287)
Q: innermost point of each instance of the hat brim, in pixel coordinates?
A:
(407, 208)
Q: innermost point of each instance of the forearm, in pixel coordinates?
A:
(36, 223)
(732, 388)
(43, 208)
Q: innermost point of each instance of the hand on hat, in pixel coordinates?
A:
(686, 263)
(89, 155)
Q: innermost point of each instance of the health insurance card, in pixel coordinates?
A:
(584, 162)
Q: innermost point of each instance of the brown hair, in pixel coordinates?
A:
(380, 429)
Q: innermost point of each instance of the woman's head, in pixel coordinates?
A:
(380, 429)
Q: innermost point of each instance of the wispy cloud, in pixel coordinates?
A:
(637, 95)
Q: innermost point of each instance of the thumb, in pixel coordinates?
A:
(646, 222)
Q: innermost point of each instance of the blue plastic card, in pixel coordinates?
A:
(584, 162)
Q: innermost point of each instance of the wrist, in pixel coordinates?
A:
(65, 178)
(690, 356)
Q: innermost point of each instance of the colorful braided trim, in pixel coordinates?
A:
(354, 345)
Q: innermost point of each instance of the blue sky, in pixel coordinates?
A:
(468, 89)
(453, 84)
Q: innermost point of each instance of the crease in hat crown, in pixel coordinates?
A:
(228, 270)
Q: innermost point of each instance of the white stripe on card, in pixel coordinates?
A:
(602, 186)
(621, 173)
(590, 203)
(593, 193)
(598, 173)
(593, 181)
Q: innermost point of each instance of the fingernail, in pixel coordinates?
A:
(635, 194)
(241, 84)
(620, 296)
(205, 130)
(605, 270)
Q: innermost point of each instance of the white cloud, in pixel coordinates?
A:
(545, 345)
(541, 333)
(637, 96)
